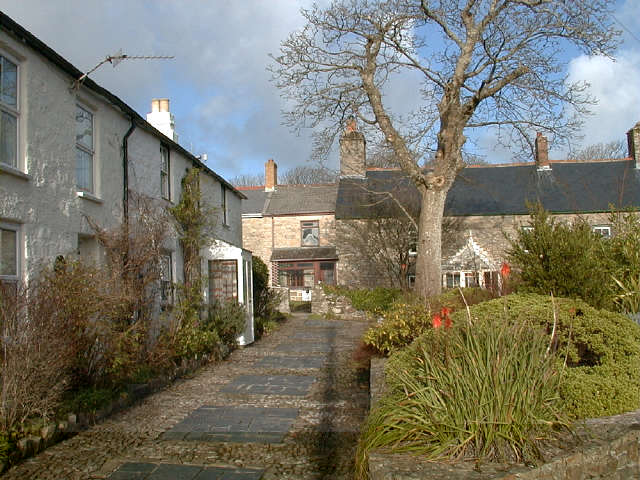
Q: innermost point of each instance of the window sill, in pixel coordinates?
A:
(14, 172)
(89, 196)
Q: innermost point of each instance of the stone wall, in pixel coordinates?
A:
(333, 305)
(609, 449)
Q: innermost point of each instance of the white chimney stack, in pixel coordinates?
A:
(161, 118)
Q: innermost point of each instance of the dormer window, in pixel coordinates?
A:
(603, 230)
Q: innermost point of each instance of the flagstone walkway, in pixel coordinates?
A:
(287, 407)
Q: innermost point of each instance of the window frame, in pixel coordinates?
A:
(18, 253)
(166, 284)
(302, 229)
(84, 149)
(165, 174)
(599, 229)
(13, 111)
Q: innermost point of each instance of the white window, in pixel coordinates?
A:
(527, 228)
(166, 279)
(8, 112)
(310, 233)
(9, 253)
(604, 230)
(84, 149)
(164, 173)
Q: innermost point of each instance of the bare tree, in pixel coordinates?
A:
(307, 175)
(601, 151)
(483, 63)
(300, 175)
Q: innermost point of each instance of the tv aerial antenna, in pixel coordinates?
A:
(114, 60)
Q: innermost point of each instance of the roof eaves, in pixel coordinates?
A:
(47, 52)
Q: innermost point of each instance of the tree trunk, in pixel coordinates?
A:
(429, 258)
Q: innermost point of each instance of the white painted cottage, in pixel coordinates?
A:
(70, 150)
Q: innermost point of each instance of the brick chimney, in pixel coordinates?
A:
(542, 152)
(633, 141)
(352, 151)
(162, 119)
(270, 175)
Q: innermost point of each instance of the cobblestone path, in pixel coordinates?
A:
(287, 407)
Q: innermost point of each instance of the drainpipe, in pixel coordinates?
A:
(125, 168)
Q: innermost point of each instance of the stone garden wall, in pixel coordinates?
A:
(336, 306)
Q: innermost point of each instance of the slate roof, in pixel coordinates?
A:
(569, 187)
(304, 253)
(290, 200)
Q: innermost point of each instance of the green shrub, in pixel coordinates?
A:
(601, 348)
(568, 260)
(88, 400)
(484, 390)
(228, 320)
(373, 300)
(403, 322)
(191, 341)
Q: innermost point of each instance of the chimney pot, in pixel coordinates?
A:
(155, 105)
(270, 175)
(164, 104)
(542, 152)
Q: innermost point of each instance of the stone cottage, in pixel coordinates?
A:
(72, 150)
(292, 229)
(485, 203)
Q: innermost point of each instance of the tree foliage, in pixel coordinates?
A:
(300, 175)
(601, 151)
(482, 63)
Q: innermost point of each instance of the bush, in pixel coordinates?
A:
(601, 350)
(486, 390)
(403, 322)
(376, 300)
(568, 260)
(228, 320)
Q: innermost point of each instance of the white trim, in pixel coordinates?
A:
(15, 172)
(88, 196)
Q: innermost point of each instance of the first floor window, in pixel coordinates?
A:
(164, 173)
(471, 279)
(84, 149)
(9, 258)
(8, 112)
(310, 233)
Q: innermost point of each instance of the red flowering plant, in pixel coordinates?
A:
(440, 316)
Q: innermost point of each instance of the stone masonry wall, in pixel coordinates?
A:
(262, 235)
(487, 231)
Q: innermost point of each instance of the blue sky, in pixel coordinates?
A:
(220, 92)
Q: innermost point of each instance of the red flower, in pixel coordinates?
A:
(448, 323)
(445, 312)
(505, 270)
(436, 321)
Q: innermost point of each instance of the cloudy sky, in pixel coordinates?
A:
(220, 92)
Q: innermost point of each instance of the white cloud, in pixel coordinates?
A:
(615, 84)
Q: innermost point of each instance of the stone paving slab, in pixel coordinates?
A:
(314, 348)
(293, 385)
(291, 362)
(234, 424)
(164, 471)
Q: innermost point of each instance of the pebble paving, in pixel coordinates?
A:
(289, 406)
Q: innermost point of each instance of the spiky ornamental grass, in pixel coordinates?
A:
(484, 390)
